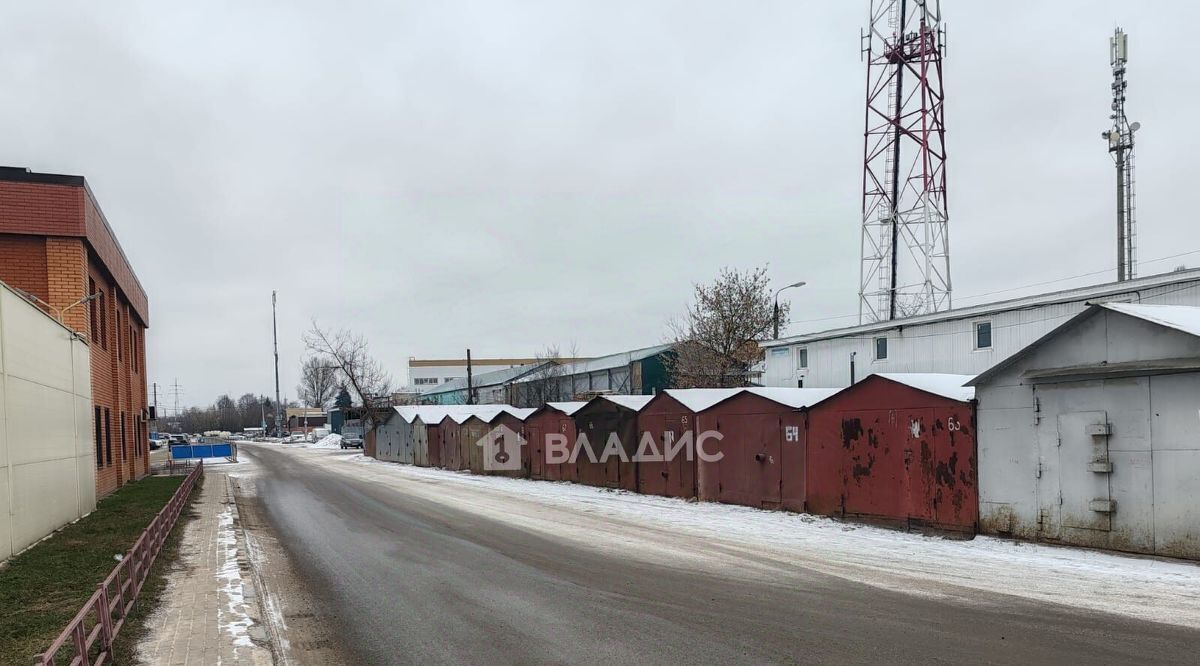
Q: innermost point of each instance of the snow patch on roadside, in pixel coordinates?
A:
(233, 618)
(1144, 587)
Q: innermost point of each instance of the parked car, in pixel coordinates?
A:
(352, 435)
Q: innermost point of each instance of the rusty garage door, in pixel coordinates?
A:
(665, 424)
(605, 419)
(896, 449)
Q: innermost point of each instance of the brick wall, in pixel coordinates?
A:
(43, 250)
(118, 383)
(23, 263)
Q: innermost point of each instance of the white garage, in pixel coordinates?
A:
(1091, 435)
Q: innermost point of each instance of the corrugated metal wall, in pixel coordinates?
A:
(888, 453)
(947, 347)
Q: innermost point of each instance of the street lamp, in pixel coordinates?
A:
(776, 317)
(59, 312)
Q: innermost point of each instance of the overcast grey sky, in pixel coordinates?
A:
(507, 175)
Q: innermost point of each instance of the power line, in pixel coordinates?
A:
(1011, 289)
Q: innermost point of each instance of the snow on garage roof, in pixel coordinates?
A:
(794, 397)
(945, 385)
(1184, 318)
(567, 408)
(428, 413)
(698, 400)
(634, 402)
(521, 413)
(460, 413)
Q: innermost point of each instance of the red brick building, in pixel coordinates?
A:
(56, 245)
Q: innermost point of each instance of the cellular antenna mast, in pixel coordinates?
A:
(1120, 145)
(905, 267)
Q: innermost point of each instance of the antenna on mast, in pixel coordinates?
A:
(1120, 145)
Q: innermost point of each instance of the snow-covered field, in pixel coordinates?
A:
(1148, 588)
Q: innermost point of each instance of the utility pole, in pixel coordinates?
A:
(275, 338)
(470, 381)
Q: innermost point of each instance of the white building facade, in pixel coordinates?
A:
(963, 341)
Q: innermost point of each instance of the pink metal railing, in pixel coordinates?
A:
(88, 638)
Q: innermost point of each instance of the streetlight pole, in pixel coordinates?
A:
(776, 316)
(59, 312)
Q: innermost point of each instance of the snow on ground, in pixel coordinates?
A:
(1155, 589)
(330, 441)
(233, 618)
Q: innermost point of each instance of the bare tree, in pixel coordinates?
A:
(318, 382)
(716, 342)
(364, 376)
(542, 385)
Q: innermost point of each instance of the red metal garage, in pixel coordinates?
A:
(505, 430)
(761, 445)
(601, 419)
(551, 418)
(897, 449)
(433, 440)
(668, 420)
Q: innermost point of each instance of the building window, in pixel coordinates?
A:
(983, 335)
(425, 381)
(447, 379)
(103, 308)
(800, 383)
(802, 358)
(93, 311)
(99, 440)
(107, 437)
(880, 349)
(124, 442)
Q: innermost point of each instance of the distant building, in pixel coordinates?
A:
(425, 374)
(57, 247)
(304, 419)
(488, 388)
(638, 372)
(963, 341)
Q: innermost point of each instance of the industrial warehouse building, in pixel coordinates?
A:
(637, 372)
(426, 373)
(1089, 436)
(488, 388)
(58, 249)
(963, 341)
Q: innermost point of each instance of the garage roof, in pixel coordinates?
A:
(945, 385)
(698, 400)
(1183, 318)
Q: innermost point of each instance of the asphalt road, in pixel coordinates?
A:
(403, 578)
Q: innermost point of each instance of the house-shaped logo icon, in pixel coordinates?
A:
(501, 449)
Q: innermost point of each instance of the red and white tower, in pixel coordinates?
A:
(905, 268)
